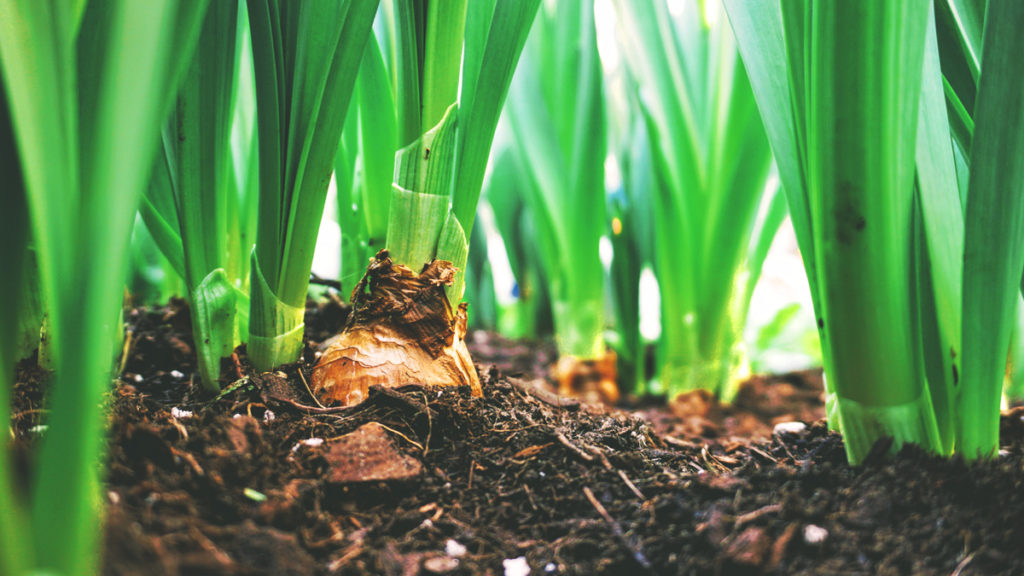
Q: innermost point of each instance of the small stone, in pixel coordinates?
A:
(138, 378)
(269, 416)
(516, 566)
(789, 428)
(368, 455)
(180, 414)
(177, 375)
(440, 564)
(814, 535)
(310, 442)
(550, 567)
(749, 548)
(454, 548)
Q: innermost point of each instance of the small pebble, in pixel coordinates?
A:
(177, 375)
(180, 414)
(814, 535)
(441, 565)
(454, 548)
(114, 497)
(268, 416)
(138, 378)
(1004, 453)
(516, 566)
(789, 428)
(311, 442)
(550, 567)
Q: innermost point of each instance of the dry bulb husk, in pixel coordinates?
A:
(402, 330)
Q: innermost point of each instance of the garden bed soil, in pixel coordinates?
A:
(434, 481)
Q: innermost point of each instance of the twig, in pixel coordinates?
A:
(963, 564)
(579, 451)
(637, 554)
(306, 384)
(544, 395)
(751, 516)
(125, 350)
(314, 279)
(631, 486)
(312, 409)
(407, 439)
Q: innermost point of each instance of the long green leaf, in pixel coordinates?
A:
(306, 56)
(994, 229)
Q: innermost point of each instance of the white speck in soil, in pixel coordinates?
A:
(789, 428)
(454, 549)
(516, 566)
(814, 535)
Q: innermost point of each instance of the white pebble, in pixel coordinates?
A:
(814, 534)
(114, 497)
(311, 442)
(138, 378)
(789, 428)
(180, 414)
(177, 375)
(516, 566)
(1004, 453)
(550, 567)
(268, 416)
(454, 548)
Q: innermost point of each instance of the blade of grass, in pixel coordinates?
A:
(496, 32)
(943, 223)
(994, 229)
(306, 56)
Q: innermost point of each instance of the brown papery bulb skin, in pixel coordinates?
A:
(402, 330)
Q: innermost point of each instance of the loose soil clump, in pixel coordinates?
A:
(436, 481)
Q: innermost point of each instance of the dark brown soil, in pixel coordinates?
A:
(450, 484)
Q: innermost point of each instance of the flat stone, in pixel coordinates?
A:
(368, 455)
(749, 548)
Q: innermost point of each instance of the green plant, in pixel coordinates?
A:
(711, 163)
(305, 57)
(187, 204)
(87, 86)
(630, 223)
(522, 302)
(446, 109)
(907, 205)
(556, 112)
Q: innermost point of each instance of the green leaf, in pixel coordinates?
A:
(306, 56)
(994, 229)
(942, 215)
(86, 118)
(496, 32)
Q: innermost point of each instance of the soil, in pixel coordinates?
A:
(434, 481)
